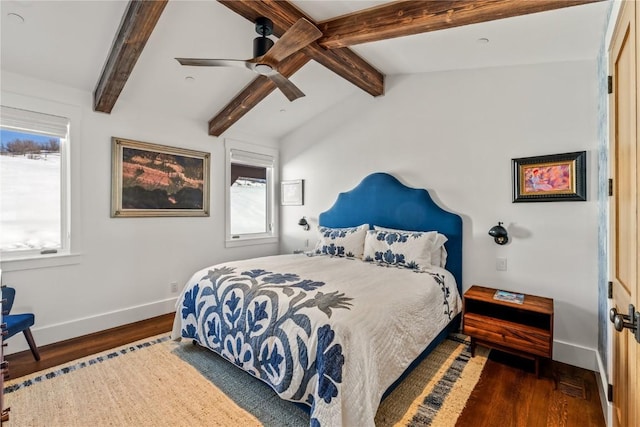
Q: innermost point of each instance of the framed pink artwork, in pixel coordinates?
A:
(550, 178)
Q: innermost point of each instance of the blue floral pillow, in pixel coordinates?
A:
(438, 251)
(342, 242)
(407, 249)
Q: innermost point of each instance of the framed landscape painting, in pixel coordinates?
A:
(155, 180)
(555, 177)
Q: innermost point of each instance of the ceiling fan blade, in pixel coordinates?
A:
(295, 38)
(285, 85)
(202, 62)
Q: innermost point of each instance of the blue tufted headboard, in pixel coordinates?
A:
(380, 199)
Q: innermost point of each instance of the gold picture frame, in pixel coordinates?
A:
(152, 180)
(551, 178)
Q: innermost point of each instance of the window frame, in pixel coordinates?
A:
(69, 253)
(271, 236)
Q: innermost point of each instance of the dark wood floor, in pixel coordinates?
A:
(508, 393)
(51, 355)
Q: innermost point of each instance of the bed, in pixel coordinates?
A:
(339, 328)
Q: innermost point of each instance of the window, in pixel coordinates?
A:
(250, 194)
(33, 183)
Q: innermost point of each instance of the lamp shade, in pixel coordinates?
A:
(499, 234)
(303, 223)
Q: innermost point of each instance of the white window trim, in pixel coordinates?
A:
(258, 238)
(33, 122)
(70, 169)
(54, 260)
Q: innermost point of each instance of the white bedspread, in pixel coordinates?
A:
(332, 332)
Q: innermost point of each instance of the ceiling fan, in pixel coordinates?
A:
(267, 55)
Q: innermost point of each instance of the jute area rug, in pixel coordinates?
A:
(160, 382)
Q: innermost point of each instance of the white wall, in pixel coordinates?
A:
(125, 264)
(455, 134)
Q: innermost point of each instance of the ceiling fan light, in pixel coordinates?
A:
(263, 69)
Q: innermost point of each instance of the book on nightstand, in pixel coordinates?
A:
(509, 297)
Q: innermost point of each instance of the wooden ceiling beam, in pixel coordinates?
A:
(283, 14)
(395, 19)
(138, 23)
(408, 17)
(343, 62)
(252, 94)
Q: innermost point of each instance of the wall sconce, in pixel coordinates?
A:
(499, 234)
(303, 223)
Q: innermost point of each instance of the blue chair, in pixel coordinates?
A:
(14, 323)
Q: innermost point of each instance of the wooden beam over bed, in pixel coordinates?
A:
(404, 18)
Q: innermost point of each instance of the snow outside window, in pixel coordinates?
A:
(33, 184)
(250, 194)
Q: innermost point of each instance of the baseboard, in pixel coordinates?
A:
(586, 358)
(603, 384)
(575, 355)
(50, 334)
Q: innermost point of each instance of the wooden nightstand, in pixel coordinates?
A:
(523, 329)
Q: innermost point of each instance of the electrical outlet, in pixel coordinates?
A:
(501, 264)
(306, 243)
(174, 286)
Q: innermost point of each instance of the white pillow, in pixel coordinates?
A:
(342, 242)
(438, 251)
(406, 249)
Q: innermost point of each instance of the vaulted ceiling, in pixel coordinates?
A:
(124, 51)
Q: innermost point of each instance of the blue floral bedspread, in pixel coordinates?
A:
(318, 330)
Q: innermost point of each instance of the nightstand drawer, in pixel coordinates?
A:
(531, 340)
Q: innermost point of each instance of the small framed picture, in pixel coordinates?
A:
(551, 178)
(292, 192)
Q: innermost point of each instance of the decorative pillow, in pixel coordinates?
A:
(343, 242)
(439, 256)
(438, 253)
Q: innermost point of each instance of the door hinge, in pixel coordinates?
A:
(610, 187)
(610, 290)
(609, 84)
(610, 392)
